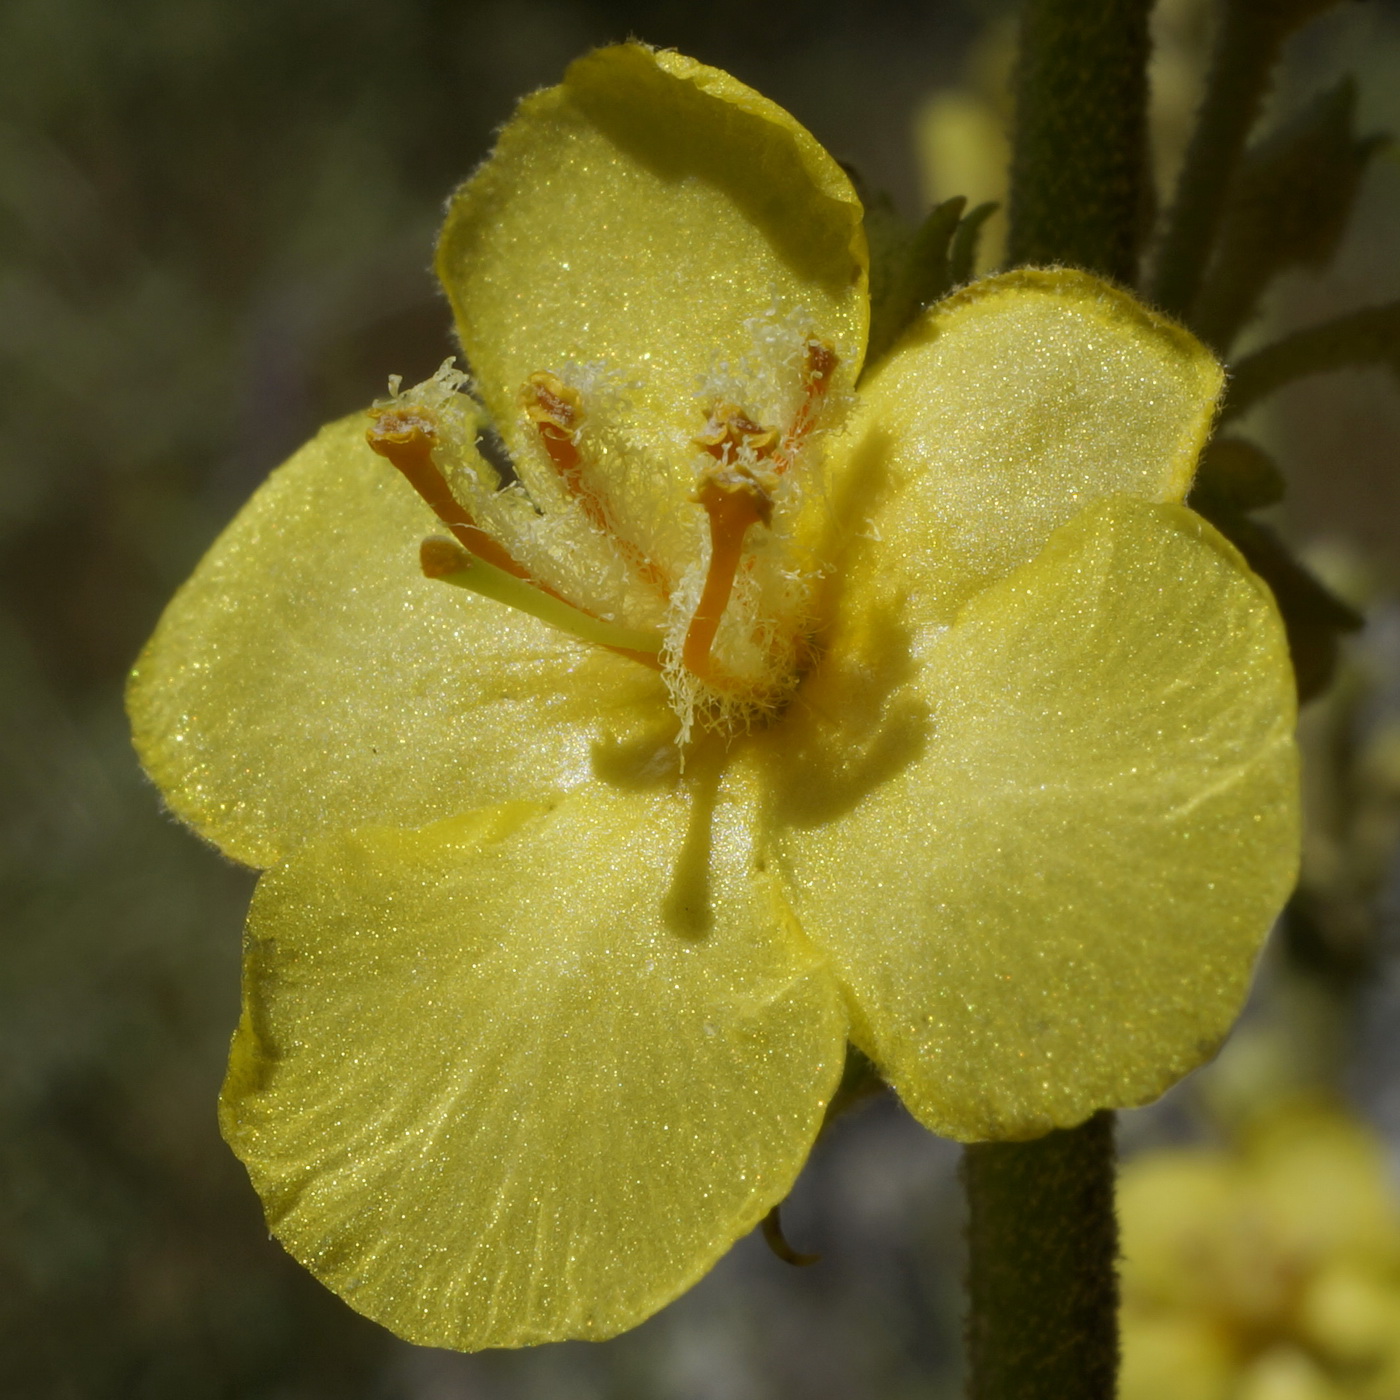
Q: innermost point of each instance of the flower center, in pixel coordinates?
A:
(719, 600)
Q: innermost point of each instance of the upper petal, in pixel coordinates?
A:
(307, 678)
(650, 222)
(1004, 411)
(1044, 845)
(496, 1088)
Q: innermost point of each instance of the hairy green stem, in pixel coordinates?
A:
(1043, 1241)
(1247, 47)
(1370, 336)
(1042, 1233)
(1079, 191)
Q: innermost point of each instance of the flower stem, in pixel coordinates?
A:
(1043, 1292)
(1079, 191)
(1370, 336)
(1042, 1233)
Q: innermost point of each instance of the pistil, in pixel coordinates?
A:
(735, 500)
(447, 562)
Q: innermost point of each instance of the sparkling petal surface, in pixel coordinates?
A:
(1004, 411)
(1044, 845)
(644, 222)
(307, 678)
(517, 1076)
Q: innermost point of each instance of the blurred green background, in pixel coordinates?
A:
(216, 221)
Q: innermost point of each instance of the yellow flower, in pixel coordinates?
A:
(1269, 1271)
(925, 716)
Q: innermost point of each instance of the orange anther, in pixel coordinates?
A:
(817, 369)
(405, 437)
(730, 431)
(557, 411)
(547, 399)
(821, 360)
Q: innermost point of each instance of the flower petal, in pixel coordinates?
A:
(307, 677)
(1004, 411)
(495, 1089)
(649, 222)
(1046, 863)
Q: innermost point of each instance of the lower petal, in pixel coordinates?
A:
(526, 1074)
(1080, 819)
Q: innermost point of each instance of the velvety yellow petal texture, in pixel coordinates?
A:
(511, 1078)
(1004, 411)
(1046, 856)
(638, 222)
(307, 677)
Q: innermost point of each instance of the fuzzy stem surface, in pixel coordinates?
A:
(1042, 1232)
(1042, 1281)
(1079, 190)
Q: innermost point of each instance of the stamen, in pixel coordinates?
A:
(556, 409)
(816, 380)
(405, 438)
(441, 559)
(734, 499)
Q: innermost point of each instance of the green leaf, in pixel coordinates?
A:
(962, 260)
(1370, 336)
(920, 274)
(1237, 475)
(1249, 37)
(1290, 205)
(911, 269)
(889, 236)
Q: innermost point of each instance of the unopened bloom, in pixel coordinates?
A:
(778, 706)
(1268, 1270)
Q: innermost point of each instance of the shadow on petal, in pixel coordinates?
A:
(857, 721)
(679, 131)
